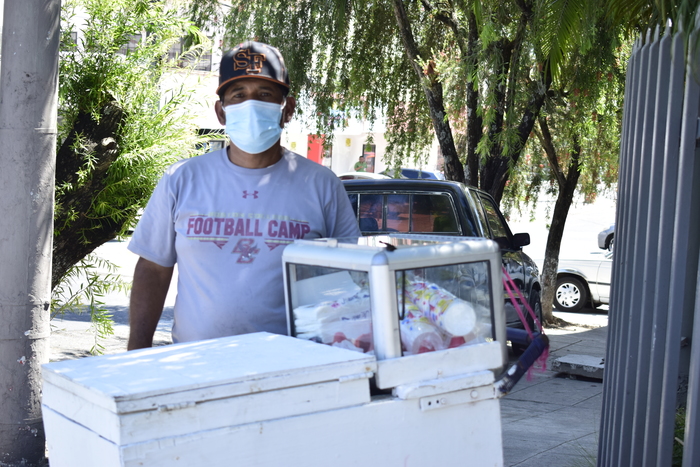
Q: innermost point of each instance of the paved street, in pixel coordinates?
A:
(580, 234)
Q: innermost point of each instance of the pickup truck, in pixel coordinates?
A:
(439, 207)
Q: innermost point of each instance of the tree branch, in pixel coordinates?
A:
(449, 19)
(513, 67)
(545, 137)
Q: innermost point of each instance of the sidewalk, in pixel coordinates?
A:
(551, 420)
(554, 419)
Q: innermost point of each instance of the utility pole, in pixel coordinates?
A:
(28, 111)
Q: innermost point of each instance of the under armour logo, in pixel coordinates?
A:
(252, 63)
(247, 249)
(253, 194)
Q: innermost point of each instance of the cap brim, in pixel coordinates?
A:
(225, 84)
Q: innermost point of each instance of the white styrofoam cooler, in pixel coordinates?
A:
(127, 404)
(261, 400)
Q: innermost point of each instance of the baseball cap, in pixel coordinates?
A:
(252, 59)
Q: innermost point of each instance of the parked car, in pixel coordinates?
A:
(418, 174)
(445, 208)
(362, 176)
(583, 282)
(606, 238)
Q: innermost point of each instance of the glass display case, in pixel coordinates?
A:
(396, 295)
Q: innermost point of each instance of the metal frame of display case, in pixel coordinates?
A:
(381, 257)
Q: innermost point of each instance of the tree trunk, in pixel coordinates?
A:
(474, 120)
(433, 93)
(567, 188)
(494, 174)
(496, 170)
(78, 234)
(28, 109)
(551, 251)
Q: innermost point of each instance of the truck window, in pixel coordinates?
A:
(498, 227)
(353, 197)
(433, 213)
(398, 213)
(405, 212)
(369, 215)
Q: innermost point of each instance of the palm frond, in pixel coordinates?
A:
(561, 24)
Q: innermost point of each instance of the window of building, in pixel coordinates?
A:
(134, 41)
(184, 60)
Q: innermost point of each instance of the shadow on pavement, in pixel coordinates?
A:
(119, 314)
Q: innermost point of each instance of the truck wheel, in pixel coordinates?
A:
(536, 305)
(570, 295)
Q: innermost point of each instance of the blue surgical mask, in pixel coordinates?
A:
(254, 126)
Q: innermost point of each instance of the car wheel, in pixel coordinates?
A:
(611, 242)
(570, 295)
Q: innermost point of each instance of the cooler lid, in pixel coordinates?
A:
(213, 369)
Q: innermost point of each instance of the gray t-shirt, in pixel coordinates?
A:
(226, 227)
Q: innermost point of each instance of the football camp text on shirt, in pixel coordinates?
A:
(220, 228)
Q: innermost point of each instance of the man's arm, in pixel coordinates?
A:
(148, 292)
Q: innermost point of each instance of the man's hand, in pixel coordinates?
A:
(148, 292)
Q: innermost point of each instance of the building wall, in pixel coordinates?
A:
(347, 147)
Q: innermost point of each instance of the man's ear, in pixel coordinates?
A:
(220, 114)
(289, 109)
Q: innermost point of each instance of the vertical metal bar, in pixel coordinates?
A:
(611, 383)
(684, 256)
(691, 442)
(626, 236)
(638, 348)
(672, 65)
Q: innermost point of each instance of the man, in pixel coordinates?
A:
(361, 165)
(226, 216)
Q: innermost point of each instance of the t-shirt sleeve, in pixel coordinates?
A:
(154, 236)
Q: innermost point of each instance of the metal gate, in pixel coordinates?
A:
(651, 365)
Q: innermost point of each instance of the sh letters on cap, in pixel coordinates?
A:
(252, 60)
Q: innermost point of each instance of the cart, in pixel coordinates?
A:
(392, 355)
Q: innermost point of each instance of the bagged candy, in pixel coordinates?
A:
(451, 314)
(345, 322)
(419, 335)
